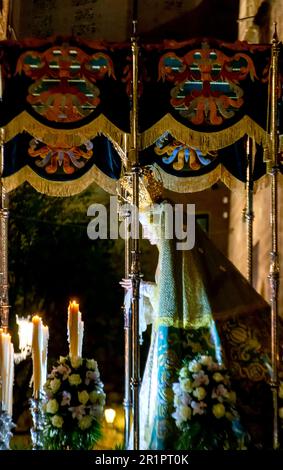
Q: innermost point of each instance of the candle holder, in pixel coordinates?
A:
(38, 422)
(6, 426)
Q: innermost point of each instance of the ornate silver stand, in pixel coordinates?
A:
(38, 423)
(6, 426)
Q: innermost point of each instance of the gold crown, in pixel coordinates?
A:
(150, 189)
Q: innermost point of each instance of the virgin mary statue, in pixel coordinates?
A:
(201, 303)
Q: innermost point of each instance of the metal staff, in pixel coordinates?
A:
(249, 214)
(135, 273)
(4, 214)
(127, 313)
(273, 169)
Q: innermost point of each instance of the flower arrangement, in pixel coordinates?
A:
(205, 411)
(73, 405)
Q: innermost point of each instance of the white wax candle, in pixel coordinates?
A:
(11, 381)
(37, 343)
(44, 354)
(73, 329)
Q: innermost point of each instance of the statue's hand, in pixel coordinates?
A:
(126, 284)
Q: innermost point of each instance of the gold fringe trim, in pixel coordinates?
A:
(192, 184)
(68, 137)
(205, 141)
(60, 188)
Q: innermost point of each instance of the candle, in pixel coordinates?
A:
(74, 320)
(11, 381)
(44, 354)
(6, 371)
(37, 346)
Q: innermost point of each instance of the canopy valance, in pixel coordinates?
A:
(66, 111)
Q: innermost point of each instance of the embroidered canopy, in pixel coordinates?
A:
(66, 105)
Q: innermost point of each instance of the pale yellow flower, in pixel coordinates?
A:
(97, 397)
(185, 412)
(75, 379)
(229, 415)
(83, 397)
(194, 366)
(91, 364)
(218, 377)
(199, 393)
(218, 410)
(52, 406)
(232, 397)
(55, 385)
(57, 421)
(184, 372)
(85, 422)
(186, 385)
(206, 360)
(76, 362)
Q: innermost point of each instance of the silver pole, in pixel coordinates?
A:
(249, 214)
(274, 272)
(135, 273)
(4, 215)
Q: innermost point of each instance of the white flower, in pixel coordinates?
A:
(83, 397)
(57, 421)
(91, 364)
(77, 411)
(85, 422)
(96, 411)
(75, 379)
(199, 393)
(55, 385)
(52, 406)
(66, 398)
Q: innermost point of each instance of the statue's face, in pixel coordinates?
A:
(149, 234)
